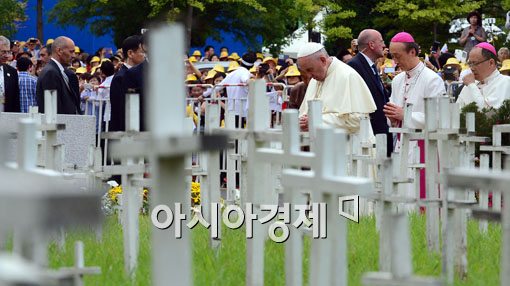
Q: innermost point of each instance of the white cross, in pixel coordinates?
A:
(166, 148)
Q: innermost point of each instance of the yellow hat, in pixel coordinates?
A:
(253, 69)
(95, 59)
(267, 59)
(190, 77)
(219, 68)
(81, 70)
(93, 70)
(76, 49)
(452, 61)
(210, 74)
(463, 66)
(105, 60)
(49, 41)
(278, 68)
(260, 56)
(197, 53)
(192, 59)
(232, 66)
(223, 55)
(234, 56)
(505, 66)
(292, 71)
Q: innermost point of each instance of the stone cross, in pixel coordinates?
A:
(328, 180)
(464, 178)
(497, 150)
(401, 263)
(42, 201)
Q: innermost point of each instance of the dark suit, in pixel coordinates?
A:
(68, 96)
(380, 95)
(118, 101)
(11, 88)
(134, 81)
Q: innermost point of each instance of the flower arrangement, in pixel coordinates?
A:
(111, 202)
(195, 193)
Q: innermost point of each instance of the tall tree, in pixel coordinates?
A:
(12, 12)
(425, 19)
(40, 20)
(121, 18)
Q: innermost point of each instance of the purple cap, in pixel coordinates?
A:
(488, 47)
(402, 37)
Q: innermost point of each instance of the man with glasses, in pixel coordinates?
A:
(485, 85)
(371, 47)
(411, 86)
(9, 86)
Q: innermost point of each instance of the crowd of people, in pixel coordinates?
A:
(384, 80)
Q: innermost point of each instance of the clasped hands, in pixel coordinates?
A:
(394, 112)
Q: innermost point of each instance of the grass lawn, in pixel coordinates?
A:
(228, 266)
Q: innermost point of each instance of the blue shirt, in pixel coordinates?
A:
(27, 86)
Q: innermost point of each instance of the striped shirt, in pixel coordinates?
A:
(27, 86)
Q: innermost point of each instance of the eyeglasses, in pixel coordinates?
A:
(6, 52)
(472, 64)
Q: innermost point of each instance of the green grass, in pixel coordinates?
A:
(227, 266)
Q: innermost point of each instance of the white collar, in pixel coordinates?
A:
(127, 65)
(414, 71)
(58, 64)
(490, 78)
(370, 62)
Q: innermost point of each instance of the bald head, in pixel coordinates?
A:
(62, 50)
(371, 43)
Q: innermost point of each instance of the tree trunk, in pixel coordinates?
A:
(435, 31)
(40, 21)
(189, 23)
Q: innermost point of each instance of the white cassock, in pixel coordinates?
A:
(345, 100)
(345, 97)
(412, 87)
(494, 90)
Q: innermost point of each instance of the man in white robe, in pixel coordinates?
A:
(411, 86)
(485, 85)
(345, 96)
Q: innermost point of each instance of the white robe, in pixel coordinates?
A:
(492, 93)
(422, 82)
(345, 97)
(412, 87)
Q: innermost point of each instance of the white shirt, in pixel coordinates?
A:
(494, 90)
(237, 95)
(412, 87)
(58, 64)
(369, 61)
(104, 93)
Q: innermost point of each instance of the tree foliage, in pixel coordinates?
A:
(120, 17)
(426, 19)
(269, 23)
(12, 13)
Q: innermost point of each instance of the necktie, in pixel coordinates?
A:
(377, 78)
(66, 79)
